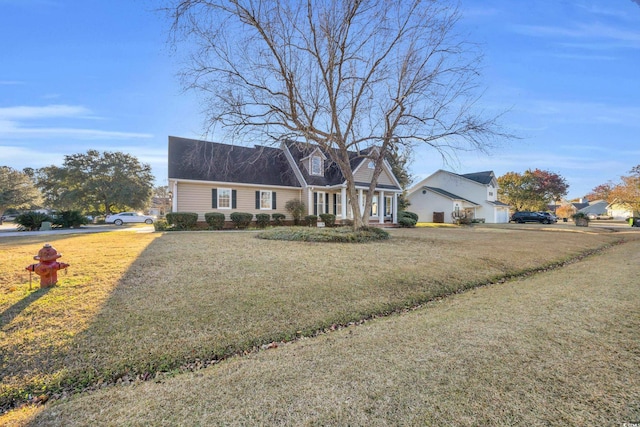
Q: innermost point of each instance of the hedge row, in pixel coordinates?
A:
(216, 220)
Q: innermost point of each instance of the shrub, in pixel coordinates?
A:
(68, 219)
(311, 220)
(278, 218)
(411, 215)
(328, 219)
(580, 215)
(182, 220)
(332, 235)
(296, 208)
(160, 225)
(241, 220)
(378, 233)
(215, 220)
(407, 219)
(407, 222)
(31, 221)
(262, 220)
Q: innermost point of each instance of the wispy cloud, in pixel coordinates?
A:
(585, 112)
(585, 34)
(585, 57)
(33, 122)
(48, 111)
(606, 12)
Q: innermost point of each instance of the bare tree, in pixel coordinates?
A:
(347, 75)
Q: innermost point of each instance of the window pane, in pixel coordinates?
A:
(224, 198)
(265, 200)
(316, 165)
(320, 202)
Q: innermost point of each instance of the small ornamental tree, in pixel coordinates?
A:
(297, 209)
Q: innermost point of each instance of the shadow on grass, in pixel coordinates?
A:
(12, 312)
(123, 309)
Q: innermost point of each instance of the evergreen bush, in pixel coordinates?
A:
(68, 219)
(262, 220)
(32, 221)
(241, 220)
(311, 220)
(215, 220)
(278, 218)
(182, 220)
(328, 219)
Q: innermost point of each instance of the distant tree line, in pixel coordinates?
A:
(533, 190)
(91, 182)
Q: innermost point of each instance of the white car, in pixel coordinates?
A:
(128, 217)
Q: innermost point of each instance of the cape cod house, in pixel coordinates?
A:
(213, 177)
(444, 195)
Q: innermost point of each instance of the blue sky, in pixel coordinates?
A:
(95, 74)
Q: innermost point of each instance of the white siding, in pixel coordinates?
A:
(426, 204)
(461, 187)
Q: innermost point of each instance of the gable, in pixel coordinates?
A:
(198, 160)
(456, 182)
(484, 178)
(301, 154)
(365, 174)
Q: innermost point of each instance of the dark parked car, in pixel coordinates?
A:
(551, 217)
(526, 216)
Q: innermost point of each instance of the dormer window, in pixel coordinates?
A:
(316, 165)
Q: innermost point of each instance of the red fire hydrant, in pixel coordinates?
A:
(48, 267)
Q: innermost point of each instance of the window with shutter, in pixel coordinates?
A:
(264, 199)
(224, 198)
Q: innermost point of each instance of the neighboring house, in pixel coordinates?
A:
(212, 177)
(450, 194)
(160, 205)
(619, 210)
(592, 209)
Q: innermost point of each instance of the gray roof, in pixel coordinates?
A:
(580, 206)
(497, 203)
(484, 178)
(209, 161)
(332, 174)
(447, 194)
(598, 207)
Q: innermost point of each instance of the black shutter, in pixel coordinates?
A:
(384, 202)
(257, 199)
(273, 200)
(315, 203)
(335, 203)
(326, 202)
(234, 196)
(214, 198)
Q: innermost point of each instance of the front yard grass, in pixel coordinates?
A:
(560, 348)
(137, 304)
